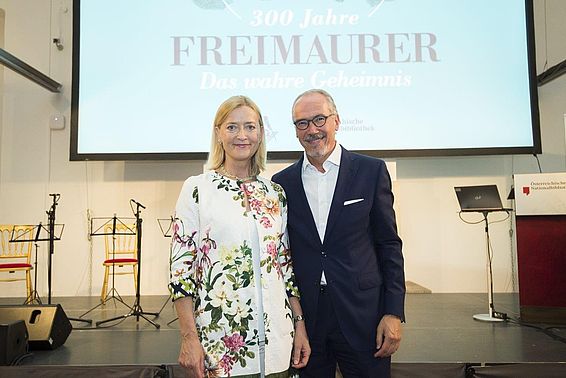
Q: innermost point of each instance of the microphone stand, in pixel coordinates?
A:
(137, 310)
(51, 225)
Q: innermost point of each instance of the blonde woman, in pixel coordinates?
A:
(231, 274)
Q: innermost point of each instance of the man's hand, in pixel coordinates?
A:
(301, 347)
(388, 336)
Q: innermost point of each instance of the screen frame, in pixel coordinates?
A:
(535, 149)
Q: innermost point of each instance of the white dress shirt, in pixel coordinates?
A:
(319, 188)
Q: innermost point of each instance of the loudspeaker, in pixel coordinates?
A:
(48, 325)
(13, 341)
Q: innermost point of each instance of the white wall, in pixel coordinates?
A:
(442, 252)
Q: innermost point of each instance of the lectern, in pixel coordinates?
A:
(540, 201)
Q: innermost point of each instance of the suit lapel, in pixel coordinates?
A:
(346, 174)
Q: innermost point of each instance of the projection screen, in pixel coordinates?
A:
(410, 78)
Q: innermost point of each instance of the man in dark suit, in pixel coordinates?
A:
(346, 251)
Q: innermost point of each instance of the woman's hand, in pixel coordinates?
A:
(191, 356)
(301, 346)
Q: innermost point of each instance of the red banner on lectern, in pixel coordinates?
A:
(540, 201)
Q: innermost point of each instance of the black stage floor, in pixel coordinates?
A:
(440, 334)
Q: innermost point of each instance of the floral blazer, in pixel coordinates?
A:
(211, 261)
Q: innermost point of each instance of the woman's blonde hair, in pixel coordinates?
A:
(217, 155)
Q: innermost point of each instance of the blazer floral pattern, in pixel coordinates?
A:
(211, 261)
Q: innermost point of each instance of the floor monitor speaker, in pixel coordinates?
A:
(48, 326)
(13, 342)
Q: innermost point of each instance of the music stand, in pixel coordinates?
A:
(42, 233)
(34, 296)
(483, 199)
(30, 236)
(166, 225)
(98, 225)
(136, 309)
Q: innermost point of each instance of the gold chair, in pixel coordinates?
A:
(121, 254)
(16, 257)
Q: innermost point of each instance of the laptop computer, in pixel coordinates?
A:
(479, 198)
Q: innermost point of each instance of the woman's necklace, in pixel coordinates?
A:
(222, 169)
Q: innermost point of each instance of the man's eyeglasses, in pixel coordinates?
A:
(318, 121)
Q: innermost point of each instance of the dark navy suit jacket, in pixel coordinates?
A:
(361, 252)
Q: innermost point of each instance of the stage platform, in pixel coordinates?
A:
(440, 339)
